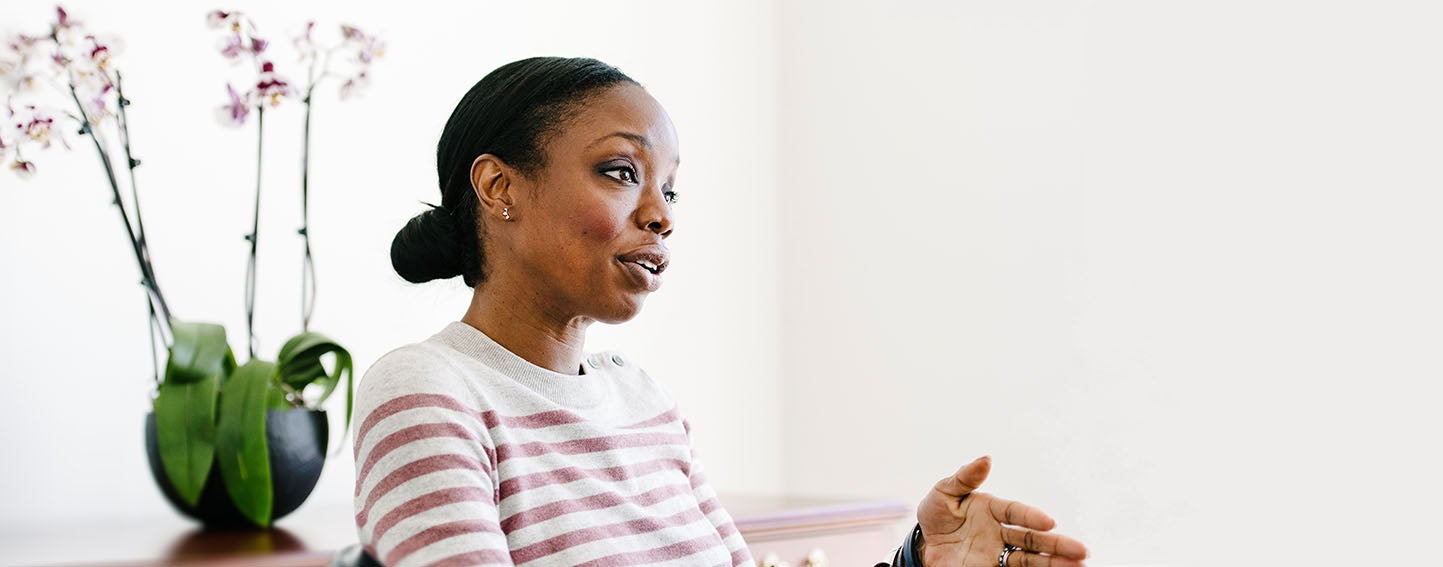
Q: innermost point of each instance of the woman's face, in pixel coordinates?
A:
(591, 224)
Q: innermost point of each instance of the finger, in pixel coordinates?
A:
(1028, 559)
(1019, 514)
(967, 479)
(1044, 542)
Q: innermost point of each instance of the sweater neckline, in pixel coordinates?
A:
(570, 390)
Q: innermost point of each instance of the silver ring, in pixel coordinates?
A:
(1006, 552)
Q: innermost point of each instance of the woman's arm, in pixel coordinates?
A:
(712, 508)
(424, 468)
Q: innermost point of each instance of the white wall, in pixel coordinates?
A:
(1176, 266)
(76, 373)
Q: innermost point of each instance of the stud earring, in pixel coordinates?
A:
(506, 213)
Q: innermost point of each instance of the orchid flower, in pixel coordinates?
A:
(217, 18)
(271, 88)
(62, 20)
(99, 54)
(231, 48)
(368, 47)
(80, 67)
(354, 84)
(100, 107)
(23, 168)
(304, 45)
(235, 113)
(68, 56)
(365, 49)
(21, 72)
(39, 127)
(357, 51)
(241, 38)
(38, 130)
(65, 32)
(33, 128)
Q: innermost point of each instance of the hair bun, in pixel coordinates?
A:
(427, 248)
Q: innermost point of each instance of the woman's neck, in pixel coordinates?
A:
(520, 322)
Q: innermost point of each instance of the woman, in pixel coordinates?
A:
(497, 441)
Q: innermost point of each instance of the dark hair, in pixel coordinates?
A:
(509, 113)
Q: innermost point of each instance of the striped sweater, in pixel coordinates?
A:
(467, 454)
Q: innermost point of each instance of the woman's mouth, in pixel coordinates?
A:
(645, 266)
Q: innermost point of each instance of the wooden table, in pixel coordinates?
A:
(849, 532)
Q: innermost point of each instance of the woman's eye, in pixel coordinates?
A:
(671, 196)
(624, 174)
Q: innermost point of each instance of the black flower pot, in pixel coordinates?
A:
(296, 443)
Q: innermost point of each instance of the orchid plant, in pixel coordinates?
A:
(208, 409)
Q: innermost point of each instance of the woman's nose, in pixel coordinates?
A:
(655, 213)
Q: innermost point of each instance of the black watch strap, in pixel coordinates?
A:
(910, 548)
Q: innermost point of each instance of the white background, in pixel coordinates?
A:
(1176, 266)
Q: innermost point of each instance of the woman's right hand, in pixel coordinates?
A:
(965, 528)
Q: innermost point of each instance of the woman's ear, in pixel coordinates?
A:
(492, 180)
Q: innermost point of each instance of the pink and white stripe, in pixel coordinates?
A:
(452, 474)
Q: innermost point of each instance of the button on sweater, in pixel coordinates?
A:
(467, 454)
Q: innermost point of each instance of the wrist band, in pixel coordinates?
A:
(909, 549)
(906, 555)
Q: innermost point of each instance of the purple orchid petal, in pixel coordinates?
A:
(353, 85)
(270, 87)
(235, 113)
(38, 130)
(216, 19)
(231, 47)
(303, 43)
(23, 168)
(99, 55)
(100, 105)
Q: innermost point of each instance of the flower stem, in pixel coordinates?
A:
(253, 237)
(141, 258)
(308, 266)
(141, 240)
(153, 328)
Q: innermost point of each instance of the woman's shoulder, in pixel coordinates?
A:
(626, 372)
(416, 368)
(419, 356)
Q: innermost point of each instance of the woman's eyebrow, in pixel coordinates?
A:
(637, 139)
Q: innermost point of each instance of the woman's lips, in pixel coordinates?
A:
(645, 265)
(643, 277)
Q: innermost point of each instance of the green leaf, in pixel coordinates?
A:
(185, 405)
(185, 433)
(300, 365)
(241, 440)
(199, 350)
(276, 399)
